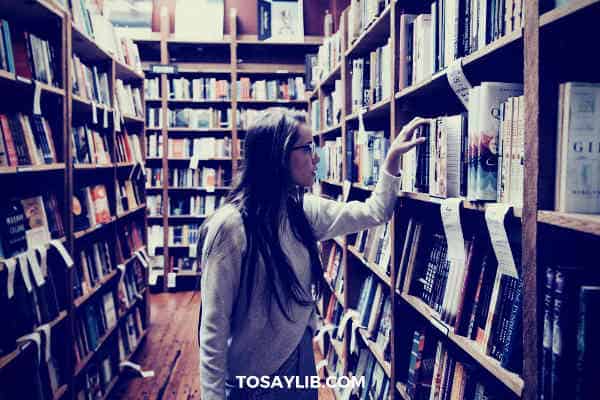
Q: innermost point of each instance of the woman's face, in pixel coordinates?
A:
(303, 161)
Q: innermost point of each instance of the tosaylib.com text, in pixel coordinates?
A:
(298, 382)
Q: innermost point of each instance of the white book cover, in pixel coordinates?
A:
(579, 146)
(207, 14)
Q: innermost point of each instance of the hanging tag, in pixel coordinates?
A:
(117, 120)
(137, 368)
(153, 276)
(325, 329)
(353, 339)
(105, 118)
(36, 271)
(142, 168)
(343, 322)
(346, 186)
(194, 161)
(47, 331)
(171, 280)
(34, 337)
(24, 267)
(210, 189)
(94, 113)
(495, 214)
(57, 244)
(43, 260)
(459, 82)
(11, 266)
(143, 261)
(37, 98)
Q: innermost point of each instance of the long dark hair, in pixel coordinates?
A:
(265, 195)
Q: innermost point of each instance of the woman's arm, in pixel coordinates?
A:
(331, 218)
(221, 266)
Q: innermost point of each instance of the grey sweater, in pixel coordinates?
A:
(243, 341)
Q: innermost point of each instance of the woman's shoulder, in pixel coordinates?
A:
(226, 224)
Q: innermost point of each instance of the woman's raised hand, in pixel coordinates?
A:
(404, 142)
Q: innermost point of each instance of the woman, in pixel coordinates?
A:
(260, 263)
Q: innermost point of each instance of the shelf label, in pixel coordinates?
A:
(11, 267)
(346, 186)
(210, 189)
(37, 95)
(46, 329)
(153, 276)
(164, 69)
(194, 161)
(105, 119)
(495, 215)
(321, 364)
(353, 339)
(35, 268)
(171, 280)
(24, 80)
(439, 325)
(282, 71)
(450, 213)
(137, 368)
(24, 267)
(63, 252)
(459, 82)
(143, 261)
(34, 337)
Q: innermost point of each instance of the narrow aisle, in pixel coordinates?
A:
(171, 351)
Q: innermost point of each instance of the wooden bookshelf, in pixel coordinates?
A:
(547, 51)
(63, 109)
(231, 59)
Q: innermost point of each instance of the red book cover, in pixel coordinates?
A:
(11, 152)
(128, 153)
(21, 56)
(101, 208)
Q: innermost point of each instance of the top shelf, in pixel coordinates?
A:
(252, 40)
(376, 34)
(31, 12)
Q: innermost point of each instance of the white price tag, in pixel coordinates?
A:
(105, 119)
(210, 189)
(117, 120)
(495, 214)
(34, 337)
(34, 266)
(46, 329)
(346, 186)
(459, 82)
(171, 280)
(37, 96)
(24, 267)
(143, 261)
(194, 162)
(193, 250)
(11, 267)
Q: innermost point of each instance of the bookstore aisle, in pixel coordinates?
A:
(122, 128)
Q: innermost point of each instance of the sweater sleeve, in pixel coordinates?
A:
(330, 218)
(221, 266)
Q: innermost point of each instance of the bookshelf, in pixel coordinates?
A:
(234, 57)
(533, 55)
(104, 242)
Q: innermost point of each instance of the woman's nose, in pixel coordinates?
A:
(316, 158)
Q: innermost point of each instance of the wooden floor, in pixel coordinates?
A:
(171, 351)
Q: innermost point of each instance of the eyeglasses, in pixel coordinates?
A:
(308, 148)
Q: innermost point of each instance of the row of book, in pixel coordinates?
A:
(315, 116)
(374, 310)
(332, 157)
(131, 239)
(329, 55)
(178, 235)
(90, 83)
(196, 205)
(435, 373)
(571, 294)
(332, 106)
(334, 273)
(273, 89)
(246, 117)
(154, 117)
(365, 154)
(154, 144)
(476, 300)
(210, 118)
(205, 148)
(90, 146)
(377, 384)
(154, 205)
(88, 17)
(181, 263)
(361, 14)
(375, 246)
(130, 195)
(90, 207)
(128, 148)
(197, 89)
(189, 178)
(372, 78)
(94, 263)
(28, 55)
(129, 99)
(28, 223)
(26, 140)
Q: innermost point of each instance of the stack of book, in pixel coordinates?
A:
(129, 100)
(205, 148)
(361, 14)
(26, 140)
(332, 105)
(152, 88)
(128, 148)
(329, 56)
(90, 207)
(90, 83)
(199, 118)
(154, 145)
(195, 89)
(334, 273)
(365, 154)
(154, 117)
(28, 56)
(271, 90)
(375, 245)
(332, 157)
(90, 146)
(95, 262)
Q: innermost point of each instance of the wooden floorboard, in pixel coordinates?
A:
(171, 351)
